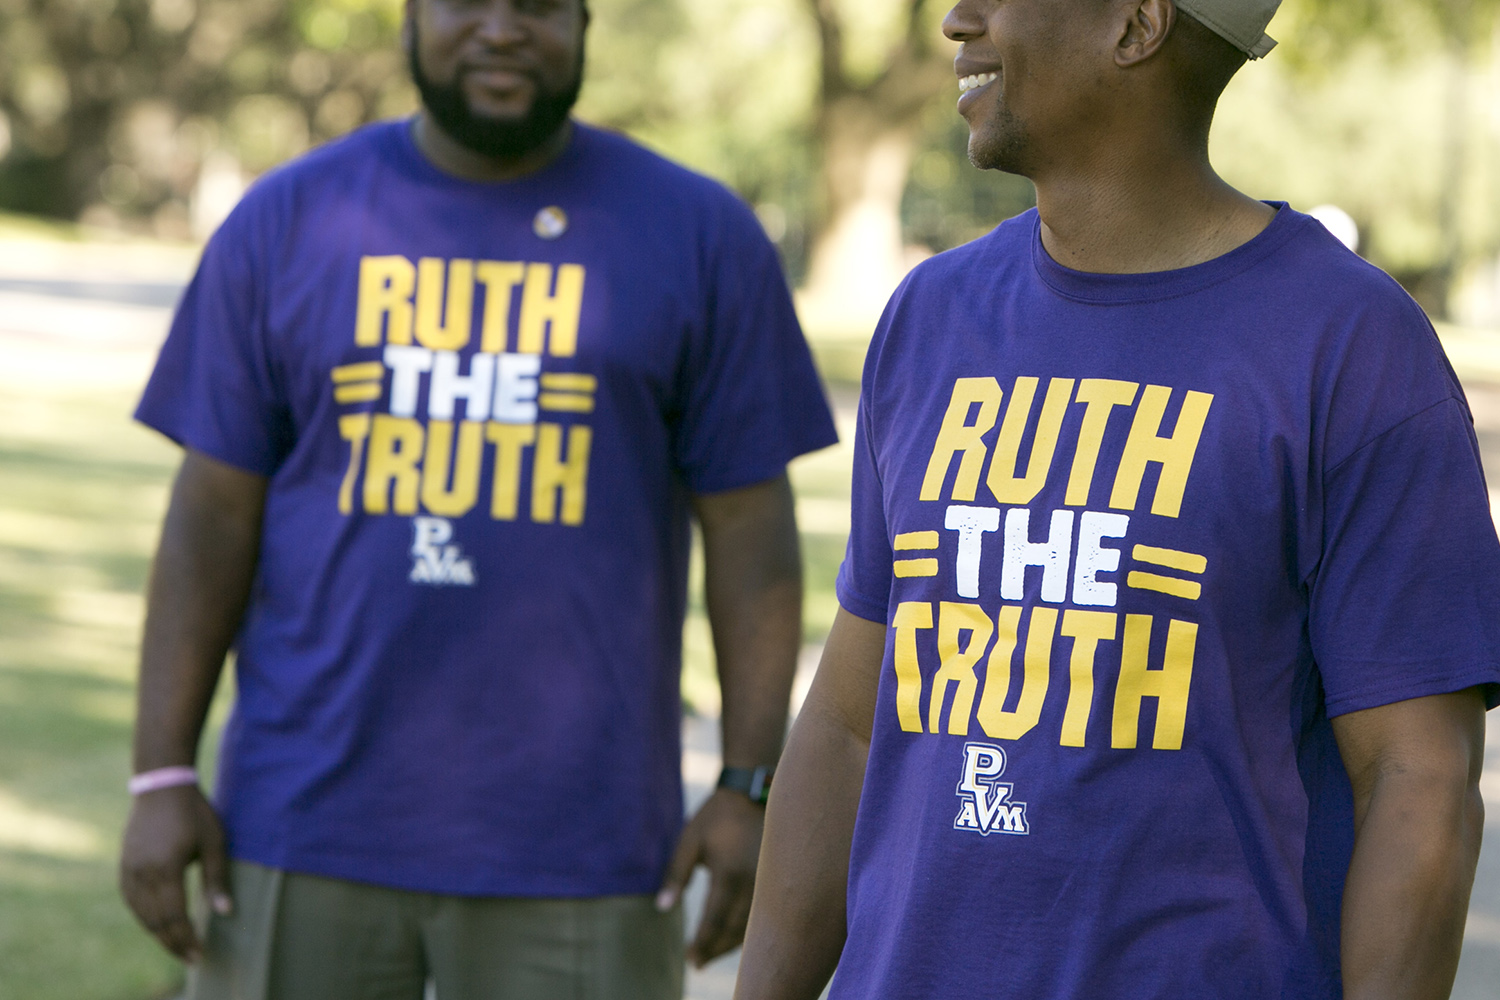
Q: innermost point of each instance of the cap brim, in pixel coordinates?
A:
(1260, 49)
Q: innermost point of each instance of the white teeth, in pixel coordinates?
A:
(968, 83)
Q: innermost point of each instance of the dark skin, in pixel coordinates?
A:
(501, 48)
(199, 586)
(206, 560)
(1124, 185)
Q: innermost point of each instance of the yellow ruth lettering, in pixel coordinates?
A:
(1169, 685)
(1087, 629)
(542, 305)
(510, 441)
(353, 428)
(1002, 480)
(1174, 454)
(499, 279)
(437, 496)
(957, 664)
(385, 289)
(394, 450)
(1101, 395)
(551, 473)
(958, 435)
(435, 330)
(910, 617)
(993, 718)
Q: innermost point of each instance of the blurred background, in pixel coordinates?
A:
(129, 128)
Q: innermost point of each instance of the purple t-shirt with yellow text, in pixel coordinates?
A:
(1136, 538)
(482, 410)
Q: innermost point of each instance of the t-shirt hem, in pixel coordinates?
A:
(214, 450)
(388, 873)
(1487, 677)
(859, 606)
(759, 473)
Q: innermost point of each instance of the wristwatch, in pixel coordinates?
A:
(754, 782)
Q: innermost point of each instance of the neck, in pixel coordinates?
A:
(1154, 208)
(451, 157)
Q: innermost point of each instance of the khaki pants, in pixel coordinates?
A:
(301, 937)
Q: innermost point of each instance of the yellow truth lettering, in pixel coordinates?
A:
(439, 329)
(385, 289)
(910, 616)
(542, 305)
(1174, 454)
(552, 474)
(957, 664)
(957, 435)
(437, 496)
(1087, 629)
(1169, 685)
(394, 450)
(1002, 480)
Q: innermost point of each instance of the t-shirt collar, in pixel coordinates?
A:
(1153, 286)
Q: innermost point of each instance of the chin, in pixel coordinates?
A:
(1000, 144)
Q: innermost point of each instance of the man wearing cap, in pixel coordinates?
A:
(450, 390)
(1171, 608)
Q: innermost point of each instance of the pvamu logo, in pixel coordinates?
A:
(987, 805)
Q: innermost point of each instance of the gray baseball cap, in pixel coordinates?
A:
(1242, 22)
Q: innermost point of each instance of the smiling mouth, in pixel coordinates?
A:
(968, 83)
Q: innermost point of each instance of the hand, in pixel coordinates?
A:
(168, 829)
(725, 837)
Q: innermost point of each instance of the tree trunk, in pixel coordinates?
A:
(866, 135)
(858, 254)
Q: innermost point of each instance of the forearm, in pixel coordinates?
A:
(1414, 769)
(797, 924)
(753, 589)
(1408, 886)
(200, 582)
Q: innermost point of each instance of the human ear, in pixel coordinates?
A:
(1145, 32)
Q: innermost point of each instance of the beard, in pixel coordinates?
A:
(499, 138)
(1006, 146)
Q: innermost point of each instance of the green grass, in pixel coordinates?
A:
(82, 494)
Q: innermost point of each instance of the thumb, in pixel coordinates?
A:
(215, 866)
(684, 860)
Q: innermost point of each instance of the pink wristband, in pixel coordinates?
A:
(162, 777)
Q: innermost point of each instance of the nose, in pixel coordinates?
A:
(964, 23)
(499, 25)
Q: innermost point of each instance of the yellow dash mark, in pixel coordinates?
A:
(1188, 562)
(362, 371)
(565, 402)
(359, 392)
(916, 567)
(569, 381)
(916, 541)
(1164, 585)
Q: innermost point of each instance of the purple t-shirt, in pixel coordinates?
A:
(482, 409)
(1136, 538)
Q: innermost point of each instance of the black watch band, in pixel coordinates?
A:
(754, 782)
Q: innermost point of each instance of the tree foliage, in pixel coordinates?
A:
(816, 110)
(112, 108)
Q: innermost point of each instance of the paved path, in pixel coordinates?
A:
(92, 315)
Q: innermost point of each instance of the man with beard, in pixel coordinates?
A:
(1171, 608)
(450, 390)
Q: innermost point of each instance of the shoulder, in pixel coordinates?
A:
(667, 189)
(316, 180)
(1374, 356)
(945, 283)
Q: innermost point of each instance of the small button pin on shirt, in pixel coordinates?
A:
(550, 223)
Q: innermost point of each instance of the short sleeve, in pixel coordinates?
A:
(1405, 602)
(213, 387)
(751, 400)
(864, 581)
